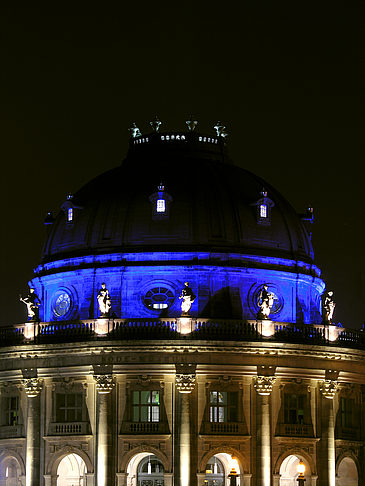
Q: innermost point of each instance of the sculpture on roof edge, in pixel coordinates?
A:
(32, 301)
(191, 123)
(329, 307)
(104, 301)
(155, 124)
(188, 297)
(134, 131)
(266, 301)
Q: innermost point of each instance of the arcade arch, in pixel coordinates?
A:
(347, 473)
(71, 471)
(11, 471)
(217, 470)
(145, 468)
(288, 470)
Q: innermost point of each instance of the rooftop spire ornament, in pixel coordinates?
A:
(220, 129)
(155, 124)
(134, 131)
(191, 123)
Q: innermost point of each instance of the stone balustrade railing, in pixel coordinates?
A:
(180, 328)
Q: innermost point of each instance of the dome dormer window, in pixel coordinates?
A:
(70, 215)
(263, 209)
(68, 207)
(160, 203)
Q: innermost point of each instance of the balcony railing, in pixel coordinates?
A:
(145, 428)
(295, 430)
(223, 428)
(11, 431)
(69, 428)
(180, 329)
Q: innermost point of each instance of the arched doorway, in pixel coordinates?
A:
(289, 473)
(218, 469)
(347, 474)
(71, 471)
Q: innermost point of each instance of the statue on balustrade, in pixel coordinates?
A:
(329, 307)
(188, 297)
(266, 301)
(32, 301)
(104, 301)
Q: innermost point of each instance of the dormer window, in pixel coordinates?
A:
(68, 208)
(160, 204)
(70, 215)
(263, 209)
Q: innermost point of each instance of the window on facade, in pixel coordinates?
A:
(69, 407)
(294, 408)
(70, 215)
(263, 211)
(223, 406)
(160, 205)
(146, 406)
(347, 407)
(11, 411)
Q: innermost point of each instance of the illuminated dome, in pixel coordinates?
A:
(178, 209)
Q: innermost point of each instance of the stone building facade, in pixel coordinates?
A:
(144, 396)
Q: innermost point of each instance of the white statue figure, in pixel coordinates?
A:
(329, 307)
(188, 298)
(32, 301)
(104, 301)
(266, 301)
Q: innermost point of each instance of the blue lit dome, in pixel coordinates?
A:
(176, 210)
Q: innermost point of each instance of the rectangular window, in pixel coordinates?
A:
(69, 407)
(161, 205)
(146, 406)
(12, 411)
(69, 214)
(294, 408)
(223, 406)
(263, 211)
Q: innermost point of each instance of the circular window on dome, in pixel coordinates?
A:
(277, 301)
(158, 298)
(61, 303)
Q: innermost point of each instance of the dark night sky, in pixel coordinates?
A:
(287, 81)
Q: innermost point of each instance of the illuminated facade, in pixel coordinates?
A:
(141, 395)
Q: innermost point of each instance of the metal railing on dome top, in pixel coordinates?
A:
(193, 329)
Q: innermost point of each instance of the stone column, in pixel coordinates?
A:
(104, 430)
(33, 387)
(263, 386)
(185, 384)
(328, 389)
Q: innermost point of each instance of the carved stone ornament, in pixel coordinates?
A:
(185, 383)
(32, 386)
(104, 384)
(329, 389)
(263, 384)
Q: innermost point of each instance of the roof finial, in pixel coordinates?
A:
(134, 131)
(220, 129)
(155, 124)
(191, 123)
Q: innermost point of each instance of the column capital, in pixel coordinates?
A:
(185, 378)
(32, 386)
(263, 384)
(329, 388)
(104, 383)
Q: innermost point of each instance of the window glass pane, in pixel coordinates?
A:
(144, 414)
(135, 414)
(155, 395)
(145, 397)
(135, 397)
(155, 417)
